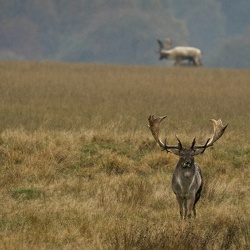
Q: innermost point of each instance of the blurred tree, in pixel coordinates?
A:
(234, 53)
(21, 37)
(113, 31)
(237, 16)
(205, 21)
(122, 35)
(118, 31)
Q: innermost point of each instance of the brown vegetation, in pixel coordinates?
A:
(80, 170)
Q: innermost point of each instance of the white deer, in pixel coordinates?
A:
(179, 53)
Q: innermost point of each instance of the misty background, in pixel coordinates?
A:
(124, 31)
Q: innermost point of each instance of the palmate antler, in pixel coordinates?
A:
(154, 125)
(168, 43)
(219, 130)
(161, 46)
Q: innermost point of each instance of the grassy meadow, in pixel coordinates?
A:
(79, 168)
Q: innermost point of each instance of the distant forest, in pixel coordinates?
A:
(124, 32)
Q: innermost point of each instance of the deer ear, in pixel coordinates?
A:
(176, 151)
(198, 151)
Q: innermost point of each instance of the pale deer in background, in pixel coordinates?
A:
(187, 178)
(179, 53)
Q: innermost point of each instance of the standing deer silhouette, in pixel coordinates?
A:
(179, 53)
(187, 180)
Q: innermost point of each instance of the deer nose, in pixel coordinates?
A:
(187, 163)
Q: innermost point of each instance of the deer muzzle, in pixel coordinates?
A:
(187, 164)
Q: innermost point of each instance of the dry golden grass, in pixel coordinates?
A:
(80, 170)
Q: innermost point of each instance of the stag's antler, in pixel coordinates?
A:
(168, 42)
(219, 130)
(154, 125)
(160, 44)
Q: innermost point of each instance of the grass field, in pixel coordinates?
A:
(80, 170)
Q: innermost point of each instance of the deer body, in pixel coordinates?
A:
(180, 53)
(187, 180)
(187, 186)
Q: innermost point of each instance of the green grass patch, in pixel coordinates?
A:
(26, 193)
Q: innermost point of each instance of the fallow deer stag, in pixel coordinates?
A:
(187, 178)
(179, 53)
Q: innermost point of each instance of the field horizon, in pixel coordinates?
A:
(80, 169)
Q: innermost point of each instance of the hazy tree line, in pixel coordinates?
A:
(124, 31)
